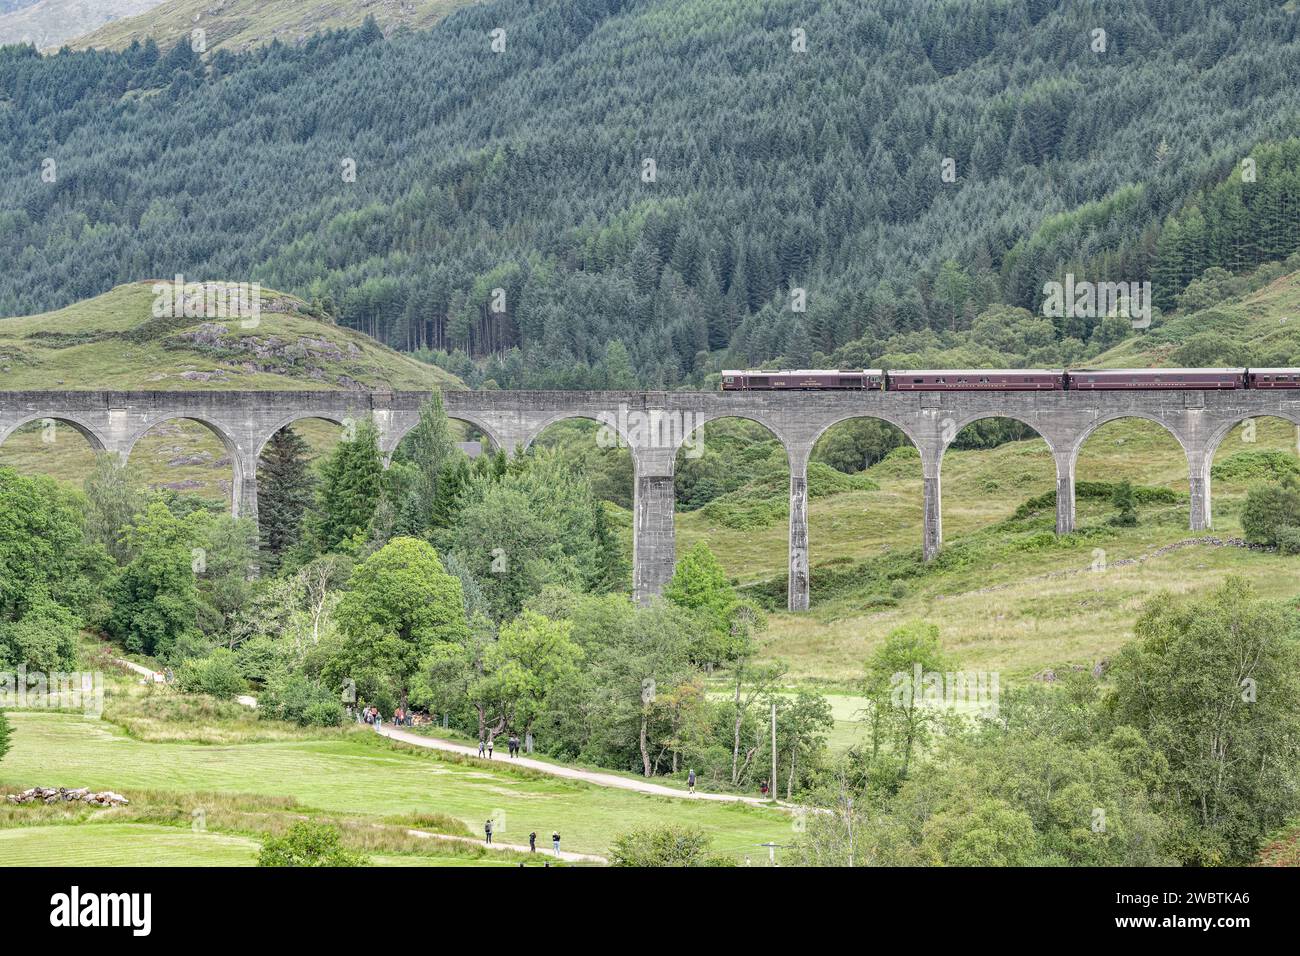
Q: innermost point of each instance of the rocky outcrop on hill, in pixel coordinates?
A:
(272, 354)
(105, 798)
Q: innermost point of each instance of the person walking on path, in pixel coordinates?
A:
(482, 746)
(555, 842)
(532, 842)
(489, 743)
(690, 781)
(487, 829)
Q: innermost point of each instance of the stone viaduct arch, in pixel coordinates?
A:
(655, 425)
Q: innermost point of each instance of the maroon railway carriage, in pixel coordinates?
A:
(1273, 377)
(1156, 378)
(808, 379)
(997, 380)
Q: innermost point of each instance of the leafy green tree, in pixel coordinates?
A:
(309, 844)
(42, 546)
(155, 601)
(992, 832)
(900, 720)
(44, 638)
(701, 586)
(350, 490)
(400, 606)
(533, 525)
(285, 490)
(531, 655)
(224, 580)
(802, 726)
(1214, 685)
(1270, 510)
(452, 486)
(114, 496)
(427, 448)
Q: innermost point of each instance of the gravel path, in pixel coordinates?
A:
(572, 773)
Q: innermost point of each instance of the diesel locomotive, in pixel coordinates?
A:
(1007, 380)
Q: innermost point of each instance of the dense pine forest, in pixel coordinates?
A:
(638, 191)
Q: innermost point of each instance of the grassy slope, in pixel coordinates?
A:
(1006, 600)
(1268, 320)
(240, 24)
(112, 342)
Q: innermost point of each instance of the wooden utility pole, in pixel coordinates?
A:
(771, 786)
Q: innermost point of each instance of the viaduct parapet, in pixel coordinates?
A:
(655, 426)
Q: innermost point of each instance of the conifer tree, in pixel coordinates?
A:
(285, 487)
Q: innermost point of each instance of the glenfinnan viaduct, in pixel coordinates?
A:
(655, 425)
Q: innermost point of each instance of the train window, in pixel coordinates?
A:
(918, 381)
(729, 378)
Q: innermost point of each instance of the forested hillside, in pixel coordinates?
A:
(796, 145)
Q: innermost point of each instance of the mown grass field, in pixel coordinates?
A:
(363, 776)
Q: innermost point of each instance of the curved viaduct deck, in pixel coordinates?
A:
(655, 425)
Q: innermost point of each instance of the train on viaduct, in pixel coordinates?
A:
(656, 425)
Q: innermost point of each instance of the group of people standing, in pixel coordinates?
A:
(371, 715)
(485, 746)
(532, 838)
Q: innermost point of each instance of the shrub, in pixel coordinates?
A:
(309, 844)
(1270, 509)
(217, 675)
(1125, 502)
(299, 700)
(1264, 465)
(665, 846)
(1288, 540)
(4, 735)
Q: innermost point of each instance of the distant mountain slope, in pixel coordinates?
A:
(114, 342)
(645, 189)
(240, 24)
(50, 23)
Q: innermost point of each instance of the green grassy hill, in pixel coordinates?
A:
(113, 342)
(240, 24)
